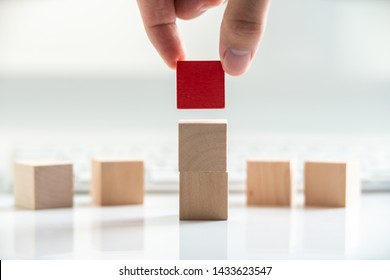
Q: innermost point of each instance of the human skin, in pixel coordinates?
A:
(242, 28)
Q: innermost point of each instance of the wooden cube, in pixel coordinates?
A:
(203, 196)
(203, 146)
(39, 185)
(117, 182)
(200, 85)
(331, 184)
(269, 183)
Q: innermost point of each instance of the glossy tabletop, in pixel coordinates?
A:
(153, 231)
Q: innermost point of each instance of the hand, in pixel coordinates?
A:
(241, 29)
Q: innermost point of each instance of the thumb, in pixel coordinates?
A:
(241, 30)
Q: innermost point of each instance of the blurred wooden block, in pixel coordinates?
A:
(200, 85)
(203, 146)
(203, 196)
(269, 183)
(43, 185)
(331, 184)
(117, 182)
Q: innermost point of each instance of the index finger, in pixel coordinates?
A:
(159, 18)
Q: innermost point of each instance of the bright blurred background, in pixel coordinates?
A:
(80, 78)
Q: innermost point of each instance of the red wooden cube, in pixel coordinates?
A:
(200, 85)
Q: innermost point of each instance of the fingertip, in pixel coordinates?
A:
(172, 58)
(236, 62)
(166, 40)
(173, 62)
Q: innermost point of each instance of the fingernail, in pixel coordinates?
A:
(236, 61)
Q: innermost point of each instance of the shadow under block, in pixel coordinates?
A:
(203, 146)
(203, 195)
(117, 182)
(331, 184)
(200, 85)
(269, 183)
(43, 185)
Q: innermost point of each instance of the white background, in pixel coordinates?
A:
(321, 270)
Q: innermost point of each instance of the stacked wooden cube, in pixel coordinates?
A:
(202, 144)
(203, 170)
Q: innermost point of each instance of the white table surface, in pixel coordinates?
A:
(153, 231)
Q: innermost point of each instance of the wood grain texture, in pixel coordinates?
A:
(43, 185)
(203, 195)
(331, 184)
(203, 146)
(200, 85)
(117, 182)
(269, 183)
